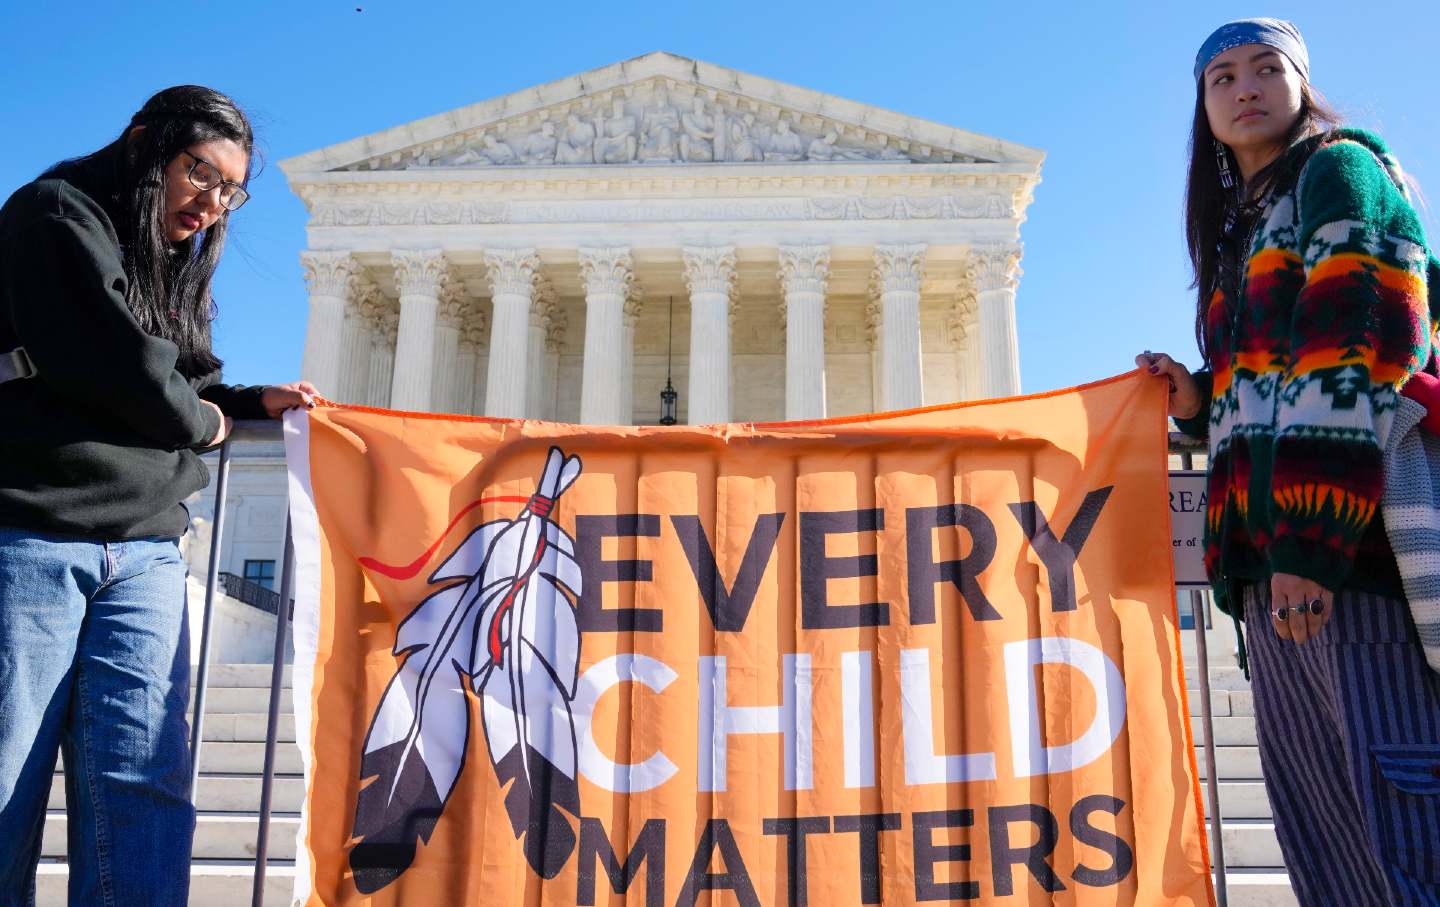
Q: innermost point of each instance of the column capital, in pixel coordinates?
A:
(328, 272)
(634, 302)
(454, 300)
(512, 271)
(366, 298)
(555, 327)
(710, 269)
(898, 267)
(960, 324)
(874, 319)
(418, 272)
(472, 328)
(607, 270)
(804, 269)
(544, 301)
(995, 267)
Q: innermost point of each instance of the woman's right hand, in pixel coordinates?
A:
(1184, 392)
(223, 431)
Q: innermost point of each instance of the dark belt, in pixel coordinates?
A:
(15, 365)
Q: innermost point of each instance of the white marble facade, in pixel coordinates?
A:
(519, 257)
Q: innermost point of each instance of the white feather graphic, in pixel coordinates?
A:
(509, 629)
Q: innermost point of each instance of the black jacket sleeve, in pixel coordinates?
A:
(65, 281)
(1198, 425)
(237, 401)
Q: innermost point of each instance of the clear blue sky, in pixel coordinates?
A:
(1104, 89)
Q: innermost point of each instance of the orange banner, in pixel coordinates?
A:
(898, 658)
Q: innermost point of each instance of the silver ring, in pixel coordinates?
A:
(1281, 613)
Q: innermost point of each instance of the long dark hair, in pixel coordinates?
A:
(1208, 202)
(169, 283)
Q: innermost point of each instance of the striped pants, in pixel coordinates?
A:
(1349, 730)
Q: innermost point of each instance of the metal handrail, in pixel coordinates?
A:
(1187, 447)
(253, 594)
(1180, 444)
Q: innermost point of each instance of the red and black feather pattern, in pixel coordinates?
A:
(505, 627)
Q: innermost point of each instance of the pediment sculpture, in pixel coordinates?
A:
(659, 127)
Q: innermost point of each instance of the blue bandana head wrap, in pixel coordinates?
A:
(1276, 33)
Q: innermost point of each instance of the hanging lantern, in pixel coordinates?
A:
(669, 398)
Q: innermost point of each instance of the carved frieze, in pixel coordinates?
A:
(658, 123)
(941, 207)
(390, 214)
(463, 213)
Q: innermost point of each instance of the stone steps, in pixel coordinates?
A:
(213, 883)
(218, 835)
(228, 798)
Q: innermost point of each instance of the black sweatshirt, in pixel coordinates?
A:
(101, 442)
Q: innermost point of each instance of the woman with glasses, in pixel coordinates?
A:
(1317, 305)
(108, 389)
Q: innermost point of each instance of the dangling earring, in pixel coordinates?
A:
(1227, 179)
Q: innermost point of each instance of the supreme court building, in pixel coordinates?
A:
(552, 253)
(544, 254)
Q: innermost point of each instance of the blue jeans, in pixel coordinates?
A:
(95, 661)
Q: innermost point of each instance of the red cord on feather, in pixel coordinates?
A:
(407, 571)
(496, 653)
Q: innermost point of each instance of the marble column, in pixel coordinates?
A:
(995, 272)
(804, 273)
(608, 275)
(710, 278)
(536, 406)
(419, 273)
(384, 332)
(512, 274)
(445, 376)
(898, 272)
(874, 330)
(467, 360)
(355, 341)
(961, 328)
(555, 327)
(328, 275)
(633, 305)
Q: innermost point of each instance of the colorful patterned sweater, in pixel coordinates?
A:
(1334, 317)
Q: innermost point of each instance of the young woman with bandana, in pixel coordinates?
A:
(108, 388)
(1313, 312)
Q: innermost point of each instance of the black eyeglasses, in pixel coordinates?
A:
(204, 176)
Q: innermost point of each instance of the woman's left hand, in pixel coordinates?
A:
(277, 398)
(1298, 597)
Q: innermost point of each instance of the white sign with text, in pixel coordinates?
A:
(1187, 527)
